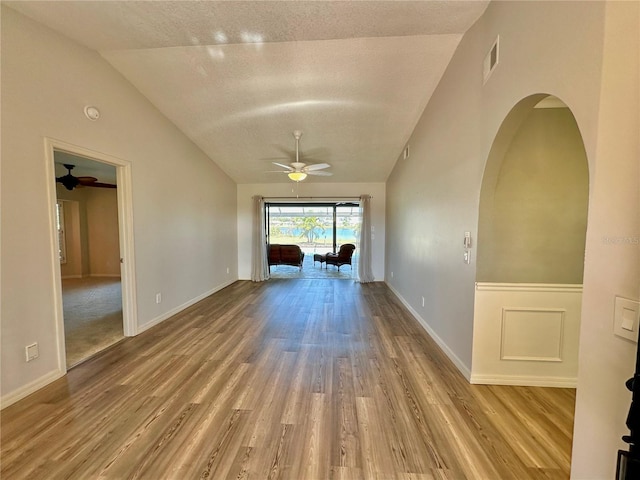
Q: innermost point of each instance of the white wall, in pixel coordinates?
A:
(432, 198)
(290, 191)
(184, 206)
(612, 264)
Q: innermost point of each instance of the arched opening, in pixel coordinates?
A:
(531, 241)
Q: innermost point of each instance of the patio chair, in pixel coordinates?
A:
(343, 257)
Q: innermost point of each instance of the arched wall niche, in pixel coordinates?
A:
(534, 197)
(530, 249)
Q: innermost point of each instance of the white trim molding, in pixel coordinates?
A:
(525, 380)
(125, 225)
(520, 325)
(528, 287)
(526, 334)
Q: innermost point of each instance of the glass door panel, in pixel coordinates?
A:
(348, 222)
(309, 226)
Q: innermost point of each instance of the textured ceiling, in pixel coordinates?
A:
(238, 77)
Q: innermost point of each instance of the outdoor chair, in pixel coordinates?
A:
(343, 257)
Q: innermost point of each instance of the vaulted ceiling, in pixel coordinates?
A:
(238, 77)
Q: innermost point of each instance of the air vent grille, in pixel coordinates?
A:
(492, 59)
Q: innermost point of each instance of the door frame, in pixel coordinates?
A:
(126, 239)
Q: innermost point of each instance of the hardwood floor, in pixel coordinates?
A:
(292, 379)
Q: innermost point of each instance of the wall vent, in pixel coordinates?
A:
(491, 60)
(405, 152)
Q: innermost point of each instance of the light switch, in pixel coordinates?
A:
(626, 318)
(628, 321)
(467, 240)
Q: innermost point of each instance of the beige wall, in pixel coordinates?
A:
(184, 206)
(433, 197)
(291, 191)
(102, 231)
(533, 220)
(91, 218)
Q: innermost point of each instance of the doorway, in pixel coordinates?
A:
(93, 250)
(87, 207)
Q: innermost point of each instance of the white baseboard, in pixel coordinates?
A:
(29, 388)
(179, 308)
(524, 381)
(464, 370)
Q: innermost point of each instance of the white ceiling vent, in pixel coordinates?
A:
(491, 60)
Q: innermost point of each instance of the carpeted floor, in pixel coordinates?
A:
(311, 269)
(92, 316)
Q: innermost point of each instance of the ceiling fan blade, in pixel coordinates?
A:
(93, 182)
(319, 173)
(316, 166)
(87, 180)
(288, 167)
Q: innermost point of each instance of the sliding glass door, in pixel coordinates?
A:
(315, 227)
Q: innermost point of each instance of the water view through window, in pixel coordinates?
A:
(316, 228)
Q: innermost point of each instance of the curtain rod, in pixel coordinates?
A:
(335, 197)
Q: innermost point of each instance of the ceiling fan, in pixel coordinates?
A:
(298, 171)
(70, 182)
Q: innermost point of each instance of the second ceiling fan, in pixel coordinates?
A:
(298, 171)
(70, 181)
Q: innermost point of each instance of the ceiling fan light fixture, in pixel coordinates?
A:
(297, 176)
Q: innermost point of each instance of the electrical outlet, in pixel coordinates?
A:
(467, 257)
(423, 301)
(32, 351)
(227, 270)
(158, 297)
(391, 274)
